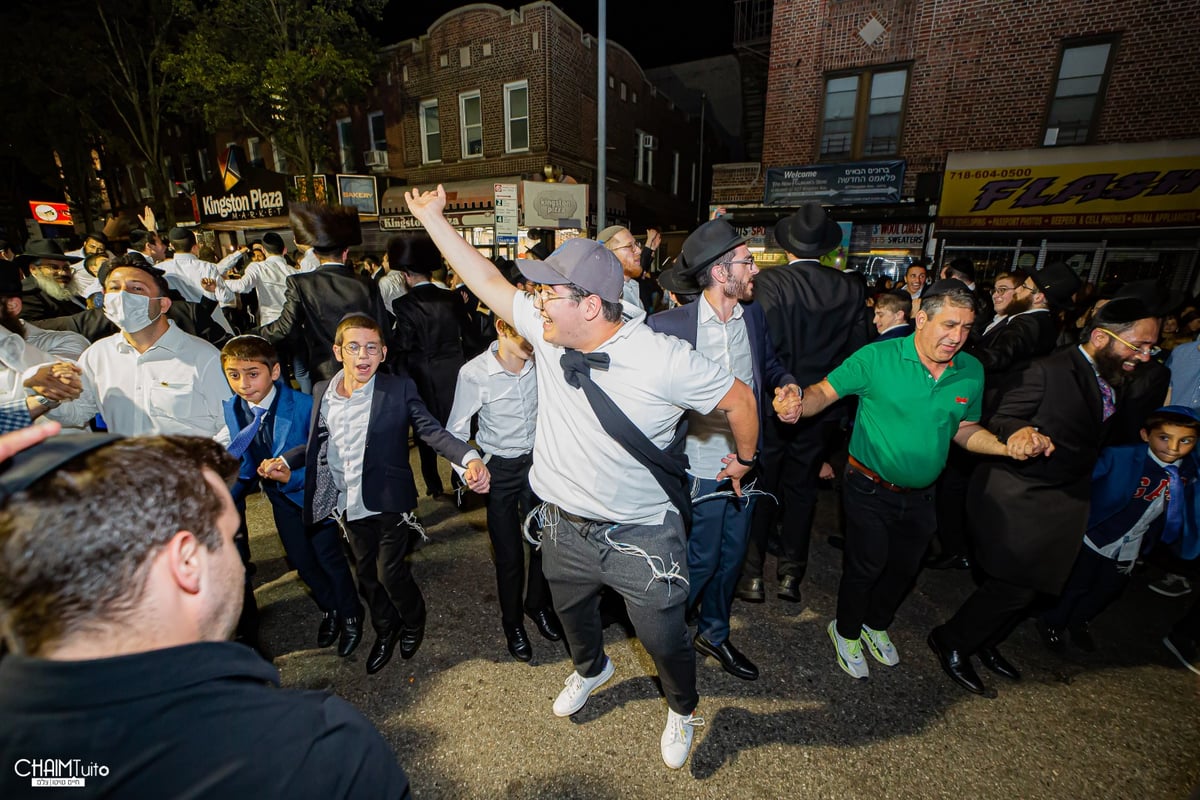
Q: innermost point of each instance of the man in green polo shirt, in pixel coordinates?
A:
(916, 395)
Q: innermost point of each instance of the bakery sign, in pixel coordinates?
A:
(554, 205)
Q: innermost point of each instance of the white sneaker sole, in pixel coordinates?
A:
(878, 655)
(600, 680)
(1167, 641)
(841, 662)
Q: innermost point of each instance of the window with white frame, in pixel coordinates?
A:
(278, 158)
(431, 132)
(470, 124)
(863, 113)
(185, 165)
(378, 130)
(516, 115)
(646, 145)
(345, 133)
(254, 149)
(1074, 111)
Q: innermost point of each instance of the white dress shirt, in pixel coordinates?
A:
(709, 436)
(224, 438)
(506, 405)
(347, 419)
(269, 278)
(391, 286)
(653, 378)
(184, 273)
(175, 387)
(632, 294)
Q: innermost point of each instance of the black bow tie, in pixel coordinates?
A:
(574, 364)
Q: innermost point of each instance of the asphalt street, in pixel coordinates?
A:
(468, 721)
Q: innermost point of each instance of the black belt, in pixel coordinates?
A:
(578, 520)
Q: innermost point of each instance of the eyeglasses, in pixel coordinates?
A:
(354, 348)
(1004, 289)
(543, 295)
(634, 244)
(1146, 349)
(746, 261)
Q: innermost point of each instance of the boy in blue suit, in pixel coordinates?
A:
(263, 419)
(1140, 495)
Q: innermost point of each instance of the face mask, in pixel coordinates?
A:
(129, 312)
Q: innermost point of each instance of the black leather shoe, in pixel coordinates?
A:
(731, 660)
(352, 631)
(957, 665)
(951, 561)
(990, 657)
(1052, 637)
(547, 624)
(1081, 637)
(410, 640)
(331, 626)
(518, 642)
(750, 590)
(789, 589)
(381, 652)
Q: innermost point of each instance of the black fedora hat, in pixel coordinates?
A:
(809, 232)
(1058, 282)
(704, 246)
(44, 249)
(672, 280)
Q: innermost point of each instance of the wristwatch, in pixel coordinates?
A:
(753, 462)
(46, 401)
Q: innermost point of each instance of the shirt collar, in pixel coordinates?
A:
(908, 351)
(494, 367)
(1156, 459)
(266, 401)
(169, 341)
(708, 313)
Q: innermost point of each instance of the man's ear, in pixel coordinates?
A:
(185, 561)
(15, 306)
(275, 372)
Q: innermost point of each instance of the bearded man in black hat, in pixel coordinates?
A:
(726, 325)
(816, 317)
(1029, 518)
(315, 302)
(47, 291)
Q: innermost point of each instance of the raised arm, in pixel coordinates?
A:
(480, 275)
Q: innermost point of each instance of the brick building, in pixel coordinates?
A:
(1012, 132)
(490, 95)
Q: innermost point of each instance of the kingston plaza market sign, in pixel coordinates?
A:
(242, 192)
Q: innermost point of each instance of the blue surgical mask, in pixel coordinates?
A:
(129, 312)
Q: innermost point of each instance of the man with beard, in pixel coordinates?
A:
(47, 291)
(24, 346)
(628, 251)
(726, 325)
(1029, 519)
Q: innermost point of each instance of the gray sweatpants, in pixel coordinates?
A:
(579, 558)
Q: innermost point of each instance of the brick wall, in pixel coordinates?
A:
(982, 71)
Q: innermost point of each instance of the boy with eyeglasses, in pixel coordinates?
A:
(357, 468)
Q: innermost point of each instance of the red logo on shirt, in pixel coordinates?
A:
(962, 401)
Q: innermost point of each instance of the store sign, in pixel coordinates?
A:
(461, 219)
(1133, 186)
(311, 188)
(359, 191)
(506, 212)
(897, 236)
(51, 213)
(555, 205)
(256, 194)
(848, 184)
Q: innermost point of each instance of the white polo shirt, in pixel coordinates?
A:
(653, 378)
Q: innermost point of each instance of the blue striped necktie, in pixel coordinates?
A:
(241, 442)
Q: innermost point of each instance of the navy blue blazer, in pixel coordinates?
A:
(769, 371)
(898, 332)
(387, 483)
(289, 428)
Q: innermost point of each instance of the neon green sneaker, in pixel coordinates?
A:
(881, 647)
(849, 653)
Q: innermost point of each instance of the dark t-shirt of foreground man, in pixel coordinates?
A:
(119, 585)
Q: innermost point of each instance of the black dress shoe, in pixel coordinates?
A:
(789, 589)
(731, 660)
(1081, 637)
(956, 664)
(750, 590)
(1052, 637)
(547, 624)
(518, 642)
(330, 627)
(352, 631)
(410, 640)
(381, 652)
(990, 657)
(951, 561)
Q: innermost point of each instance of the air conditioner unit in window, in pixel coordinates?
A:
(376, 158)
(649, 141)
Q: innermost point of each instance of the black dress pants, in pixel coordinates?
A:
(508, 501)
(988, 616)
(382, 544)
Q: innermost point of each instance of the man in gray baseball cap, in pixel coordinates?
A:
(609, 521)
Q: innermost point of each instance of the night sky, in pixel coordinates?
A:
(657, 32)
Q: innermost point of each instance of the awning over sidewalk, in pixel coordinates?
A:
(460, 195)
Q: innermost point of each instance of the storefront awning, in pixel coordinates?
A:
(460, 195)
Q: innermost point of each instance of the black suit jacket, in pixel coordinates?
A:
(37, 305)
(1011, 348)
(314, 303)
(387, 483)
(433, 333)
(193, 318)
(1029, 517)
(816, 317)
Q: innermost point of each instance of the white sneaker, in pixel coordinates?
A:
(579, 689)
(849, 653)
(881, 647)
(1171, 585)
(676, 741)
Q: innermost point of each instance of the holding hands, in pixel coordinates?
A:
(1027, 443)
(787, 403)
(58, 381)
(477, 477)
